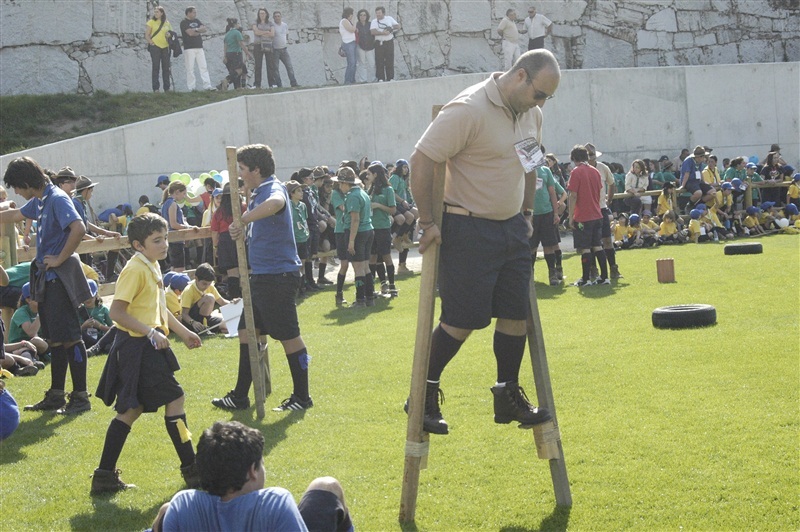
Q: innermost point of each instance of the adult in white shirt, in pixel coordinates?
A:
(348, 33)
(280, 53)
(537, 26)
(383, 28)
(507, 29)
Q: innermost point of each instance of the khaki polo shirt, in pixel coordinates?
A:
(509, 29)
(475, 133)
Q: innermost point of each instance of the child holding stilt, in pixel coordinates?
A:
(139, 374)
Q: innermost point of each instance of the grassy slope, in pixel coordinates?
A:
(28, 121)
(661, 429)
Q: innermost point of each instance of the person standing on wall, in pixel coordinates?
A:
(262, 49)
(383, 28)
(192, 32)
(347, 31)
(537, 26)
(507, 29)
(157, 45)
(365, 67)
(279, 51)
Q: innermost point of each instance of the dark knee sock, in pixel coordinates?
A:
(550, 259)
(611, 256)
(116, 435)
(558, 258)
(77, 366)
(321, 270)
(601, 259)
(245, 377)
(380, 269)
(443, 348)
(234, 287)
(181, 438)
(340, 282)
(403, 256)
(508, 350)
(369, 286)
(298, 367)
(59, 362)
(373, 269)
(360, 282)
(309, 266)
(390, 273)
(586, 264)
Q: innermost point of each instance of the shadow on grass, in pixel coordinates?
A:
(545, 291)
(31, 431)
(107, 515)
(557, 520)
(346, 315)
(274, 432)
(598, 292)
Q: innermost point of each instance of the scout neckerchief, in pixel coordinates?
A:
(162, 296)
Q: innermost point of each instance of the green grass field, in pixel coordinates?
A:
(661, 429)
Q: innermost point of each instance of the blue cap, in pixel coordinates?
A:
(168, 278)
(791, 208)
(92, 287)
(26, 290)
(787, 170)
(162, 179)
(179, 281)
(701, 207)
(738, 184)
(695, 214)
(634, 219)
(751, 165)
(753, 210)
(216, 192)
(767, 204)
(796, 177)
(728, 186)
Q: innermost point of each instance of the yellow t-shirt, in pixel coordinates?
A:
(667, 228)
(89, 272)
(751, 221)
(139, 285)
(709, 177)
(694, 228)
(664, 205)
(620, 231)
(192, 294)
(173, 303)
(794, 191)
(160, 38)
(650, 224)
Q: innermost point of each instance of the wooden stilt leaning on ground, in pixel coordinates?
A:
(547, 436)
(259, 361)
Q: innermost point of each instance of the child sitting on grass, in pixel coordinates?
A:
(95, 316)
(768, 218)
(751, 222)
(698, 230)
(199, 299)
(139, 374)
(25, 323)
(620, 231)
(174, 285)
(668, 232)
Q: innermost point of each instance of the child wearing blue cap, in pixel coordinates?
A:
(751, 222)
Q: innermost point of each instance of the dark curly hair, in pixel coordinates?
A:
(225, 453)
(144, 225)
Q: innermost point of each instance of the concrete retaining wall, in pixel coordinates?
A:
(54, 46)
(627, 113)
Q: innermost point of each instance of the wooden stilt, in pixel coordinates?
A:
(258, 367)
(547, 435)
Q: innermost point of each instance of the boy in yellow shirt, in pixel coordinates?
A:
(138, 374)
(175, 284)
(668, 232)
(199, 299)
(751, 222)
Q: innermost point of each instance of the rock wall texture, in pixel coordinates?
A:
(55, 46)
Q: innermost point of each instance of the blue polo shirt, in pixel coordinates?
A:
(271, 240)
(81, 211)
(691, 166)
(53, 214)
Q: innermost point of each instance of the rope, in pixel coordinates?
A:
(417, 449)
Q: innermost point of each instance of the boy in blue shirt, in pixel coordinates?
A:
(274, 279)
(57, 276)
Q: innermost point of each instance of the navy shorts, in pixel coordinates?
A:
(59, 317)
(588, 235)
(382, 243)
(341, 247)
(274, 307)
(157, 385)
(484, 270)
(302, 250)
(544, 231)
(363, 245)
(313, 240)
(177, 257)
(210, 321)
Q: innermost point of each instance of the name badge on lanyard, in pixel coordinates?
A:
(529, 153)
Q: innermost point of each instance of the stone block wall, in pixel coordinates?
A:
(54, 46)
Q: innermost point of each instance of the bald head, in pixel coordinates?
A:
(534, 61)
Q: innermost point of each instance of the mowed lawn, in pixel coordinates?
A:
(662, 429)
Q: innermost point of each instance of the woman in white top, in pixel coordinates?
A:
(636, 183)
(348, 32)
